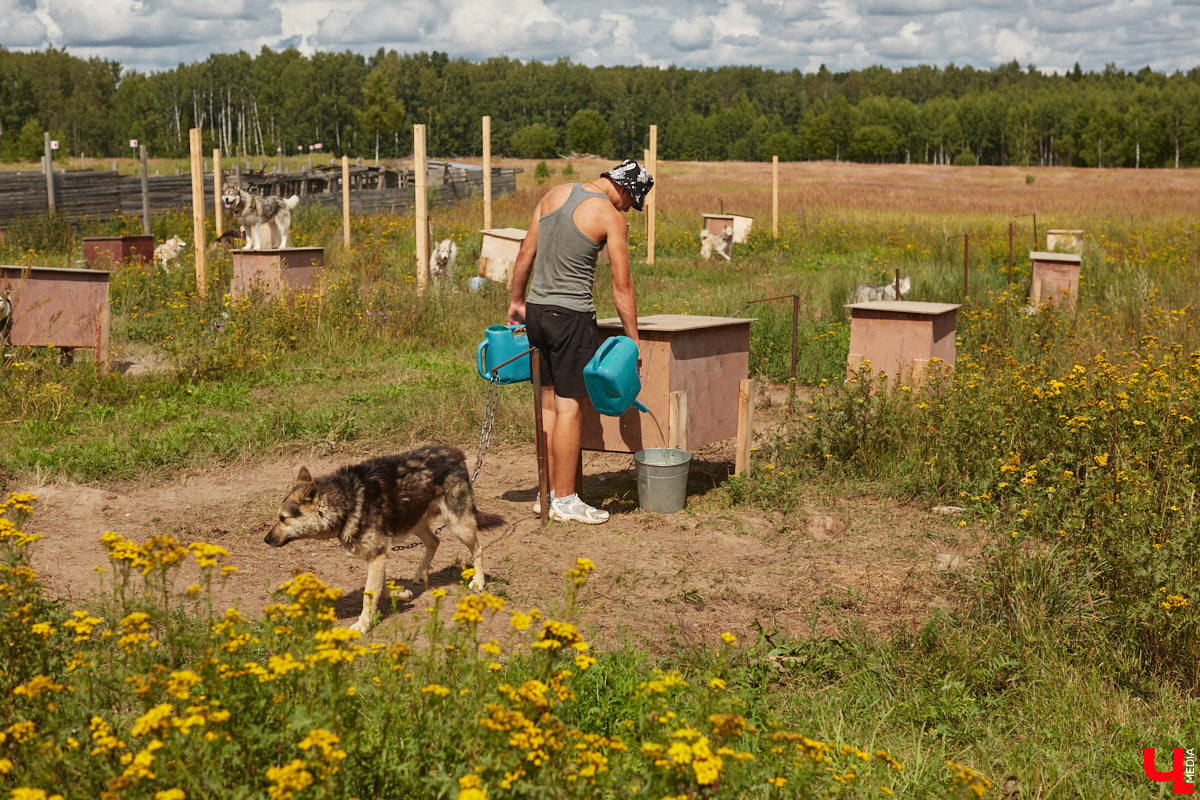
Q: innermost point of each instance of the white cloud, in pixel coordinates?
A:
(691, 34)
(908, 8)
(780, 34)
(406, 21)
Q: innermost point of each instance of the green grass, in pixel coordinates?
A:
(1073, 644)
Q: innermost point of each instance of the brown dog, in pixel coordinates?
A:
(370, 506)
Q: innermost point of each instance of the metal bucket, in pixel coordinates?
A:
(662, 486)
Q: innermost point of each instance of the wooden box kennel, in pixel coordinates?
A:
(1055, 278)
(715, 223)
(106, 252)
(693, 368)
(58, 307)
(900, 337)
(1064, 240)
(499, 252)
(275, 272)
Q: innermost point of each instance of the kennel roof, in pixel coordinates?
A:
(905, 307)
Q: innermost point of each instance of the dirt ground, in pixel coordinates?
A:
(662, 580)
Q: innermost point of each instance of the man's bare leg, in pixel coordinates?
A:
(564, 444)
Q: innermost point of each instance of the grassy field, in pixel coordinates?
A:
(1070, 439)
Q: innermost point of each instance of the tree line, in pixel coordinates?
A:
(347, 103)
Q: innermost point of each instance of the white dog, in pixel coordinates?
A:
(866, 292)
(441, 260)
(166, 253)
(267, 221)
(711, 243)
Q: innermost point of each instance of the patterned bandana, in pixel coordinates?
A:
(633, 178)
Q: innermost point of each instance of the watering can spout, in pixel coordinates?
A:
(640, 406)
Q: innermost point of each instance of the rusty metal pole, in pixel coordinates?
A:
(795, 329)
(1010, 252)
(966, 263)
(1035, 243)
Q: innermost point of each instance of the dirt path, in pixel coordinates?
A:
(661, 580)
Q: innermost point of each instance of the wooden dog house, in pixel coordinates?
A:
(1055, 278)
(275, 272)
(58, 307)
(900, 337)
(693, 369)
(106, 252)
(1064, 240)
(499, 253)
(715, 223)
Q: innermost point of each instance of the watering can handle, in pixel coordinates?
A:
(479, 361)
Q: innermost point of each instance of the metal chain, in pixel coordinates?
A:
(485, 438)
(489, 422)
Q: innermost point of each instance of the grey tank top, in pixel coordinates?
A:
(564, 268)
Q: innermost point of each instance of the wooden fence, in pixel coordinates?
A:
(80, 194)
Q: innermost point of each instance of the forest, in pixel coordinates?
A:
(285, 102)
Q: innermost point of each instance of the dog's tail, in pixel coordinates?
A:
(292, 202)
(485, 520)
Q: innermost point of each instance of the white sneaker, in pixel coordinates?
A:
(537, 504)
(573, 509)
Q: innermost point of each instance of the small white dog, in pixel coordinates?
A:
(711, 243)
(441, 260)
(867, 292)
(166, 253)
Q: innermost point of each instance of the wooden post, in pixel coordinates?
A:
(677, 421)
(145, 190)
(539, 437)
(218, 211)
(487, 173)
(195, 141)
(775, 196)
(646, 212)
(422, 202)
(346, 201)
(651, 201)
(48, 168)
(745, 432)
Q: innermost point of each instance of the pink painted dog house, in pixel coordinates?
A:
(900, 337)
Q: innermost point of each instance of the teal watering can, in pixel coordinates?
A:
(501, 343)
(611, 377)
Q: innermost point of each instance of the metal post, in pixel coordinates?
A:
(1010, 252)
(966, 262)
(795, 327)
(1035, 239)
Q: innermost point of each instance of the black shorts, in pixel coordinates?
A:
(566, 341)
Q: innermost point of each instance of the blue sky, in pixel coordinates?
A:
(1053, 35)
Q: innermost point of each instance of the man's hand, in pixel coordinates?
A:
(516, 313)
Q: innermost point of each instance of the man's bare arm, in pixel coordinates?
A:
(523, 269)
(622, 286)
